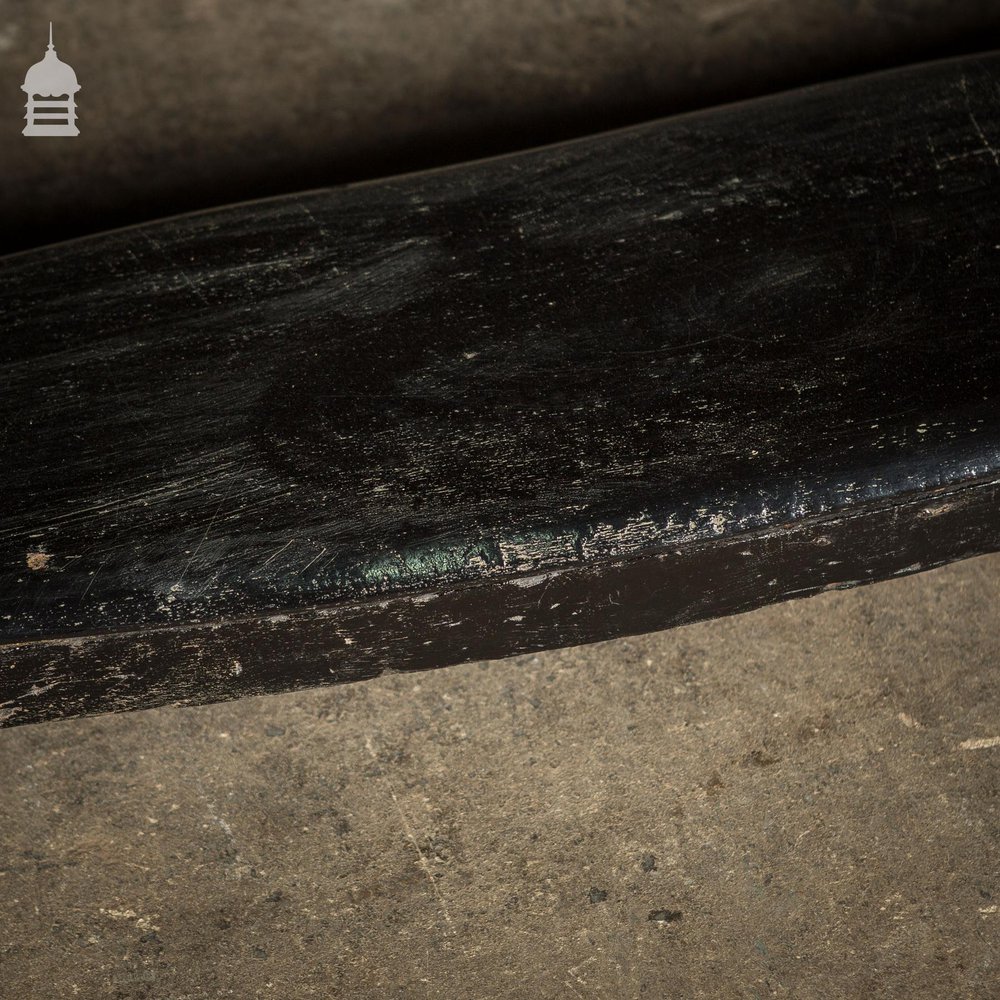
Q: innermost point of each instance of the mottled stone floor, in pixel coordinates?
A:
(792, 802)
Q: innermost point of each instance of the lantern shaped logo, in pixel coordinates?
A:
(50, 86)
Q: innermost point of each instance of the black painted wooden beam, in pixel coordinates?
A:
(642, 379)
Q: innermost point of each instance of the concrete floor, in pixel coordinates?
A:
(786, 803)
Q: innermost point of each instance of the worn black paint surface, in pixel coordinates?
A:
(671, 372)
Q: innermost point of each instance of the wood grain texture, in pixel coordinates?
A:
(599, 388)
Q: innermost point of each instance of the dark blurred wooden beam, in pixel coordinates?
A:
(607, 387)
(191, 109)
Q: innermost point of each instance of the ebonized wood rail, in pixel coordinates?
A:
(612, 386)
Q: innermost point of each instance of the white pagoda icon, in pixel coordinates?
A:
(50, 86)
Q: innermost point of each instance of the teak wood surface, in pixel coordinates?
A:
(606, 387)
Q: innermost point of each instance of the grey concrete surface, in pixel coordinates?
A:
(797, 802)
(196, 103)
